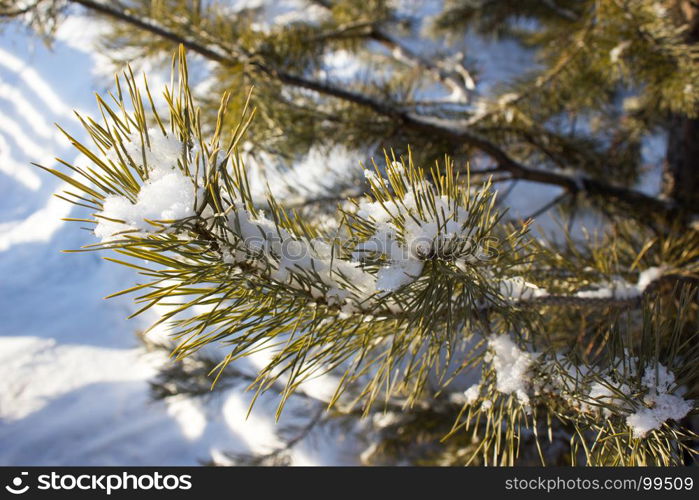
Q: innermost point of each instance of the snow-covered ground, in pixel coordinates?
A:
(74, 379)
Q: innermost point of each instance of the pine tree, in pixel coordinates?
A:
(409, 277)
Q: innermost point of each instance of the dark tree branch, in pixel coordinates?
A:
(18, 12)
(148, 25)
(458, 137)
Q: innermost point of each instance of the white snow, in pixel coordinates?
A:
(645, 278)
(381, 420)
(167, 194)
(662, 401)
(665, 407)
(621, 289)
(289, 258)
(422, 233)
(400, 273)
(472, 393)
(661, 405)
(344, 282)
(607, 394)
(511, 366)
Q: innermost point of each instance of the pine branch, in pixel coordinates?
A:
(395, 298)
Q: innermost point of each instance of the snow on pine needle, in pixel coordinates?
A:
(409, 227)
(659, 404)
(420, 280)
(167, 194)
(628, 401)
